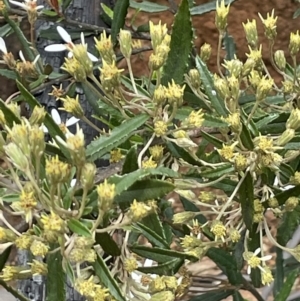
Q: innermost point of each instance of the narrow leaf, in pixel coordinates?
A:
(130, 163)
(55, 288)
(287, 286)
(213, 140)
(148, 6)
(208, 83)
(10, 117)
(120, 12)
(105, 277)
(101, 146)
(180, 46)
(107, 243)
(218, 171)
(79, 228)
(166, 268)
(207, 7)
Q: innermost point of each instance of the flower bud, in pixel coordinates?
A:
(37, 116)
(294, 45)
(110, 76)
(88, 175)
(73, 106)
(15, 108)
(175, 93)
(183, 217)
(294, 120)
(280, 59)
(251, 32)
(269, 25)
(159, 95)
(156, 152)
(57, 171)
(263, 89)
(273, 203)
(106, 193)
(248, 66)
(291, 203)
(105, 48)
(194, 78)
(37, 141)
(125, 43)
(286, 137)
(17, 157)
(157, 33)
(221, 86)
(234, 67)
(205, 52)
(75, 69)
(81, 55)
(234, 87)
(221, 16)
(156, 61)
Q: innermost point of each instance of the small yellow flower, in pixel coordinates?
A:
(264, 88)
(254, 261)
(221, 16)
(218, 229)
(206, 196)
(234, 235)
(75, 69)
(110, 75)
(190, 242)
(160, 128)
(291, 203)
(139, 210)
(53, 222)
(38, 115)
(156, 152)
(266, 276)
(264, 143)
(295, 179)
(240, 162)
(38, 248)
(194, 78)
(115, 155)
(280, 60)
(130, 264)
(234, 67)
(273, 203)
(10, 273)
(24, 241)
(195, 119)
(174, 93)
(227, 152)
(56, 170)
(28, 201)
(221, 86)
(157, 285)
(88, 175)
(269, 25)
(183, 217)
(38, 268)
(72, 105)
(159, 95)
(57, 93)
(150, 163)
(256, 55)
(105, 48)
(157, 34)
(86, 288)
(106, 193)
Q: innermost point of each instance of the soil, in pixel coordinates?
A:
(240, 11)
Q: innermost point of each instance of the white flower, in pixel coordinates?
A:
(254, 261)
(3, 48)
(23, 58)
(69, 44)
(56, 117)
(28, 5)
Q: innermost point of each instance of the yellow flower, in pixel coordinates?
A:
(115, 155)
(110, 75)
(57, 93)
(57, 171)
(266, 276)
(106, 193)
(195, 119)
(174, 93)
(38, 248)
(227, 152)
(75, 69)
(139, 210)
(156, 152)
(254, 261)
(38, 268)
(105, 48)
(218, 229)
(269, 25)
(130, 264)
(157, 34)
(221, 16)
(256, 55)
(24, 241)
(205, 52)
(251, 32)
(160, 128)
(159, 95)
(294, 45)
(150, 163)
(53, 222)
(73, 106)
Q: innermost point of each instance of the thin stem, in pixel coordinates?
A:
(83, 202)
(14, 292)
(86, 120)
(131, 75)
(252, 112)
(3, 219)
(228, 203)
(219, 53)
(144, 150)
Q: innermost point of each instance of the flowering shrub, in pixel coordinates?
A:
(227, 145)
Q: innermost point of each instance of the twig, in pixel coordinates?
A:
(13, 291)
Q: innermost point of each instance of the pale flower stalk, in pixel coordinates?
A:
(28, 5)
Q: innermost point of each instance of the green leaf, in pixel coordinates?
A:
(8, 74)
(160, 255)
(101, 146)
(180, 153)
(67, 267)
(246, 198)
(213, 140)
(125, 181)
(10, 117)
(5, 30)
(226, 263)
(180, 46)
(145, 190)
(287, 286)
(153, 222)
(148, 6)
(279, 272)
(289, 223)
(120, 12)
(55, 288)
(170, 267)
(49, 13)
(296, 13)
(4, 257)
(214, 122)
(109, 12)
(205, 8)
(237, 296)
(246, 138)
(10, 198)
(218, 171)
(213, 296)
(210, 91)
(266, 120)
(66, 4)
(284, 195)
(130, 163)
(107, 243)
(151, 235)
(53, 128)
(105, 277)
(229, 47)
(79, 228)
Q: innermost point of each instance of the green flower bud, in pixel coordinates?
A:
(280, 59)
(125, 43)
